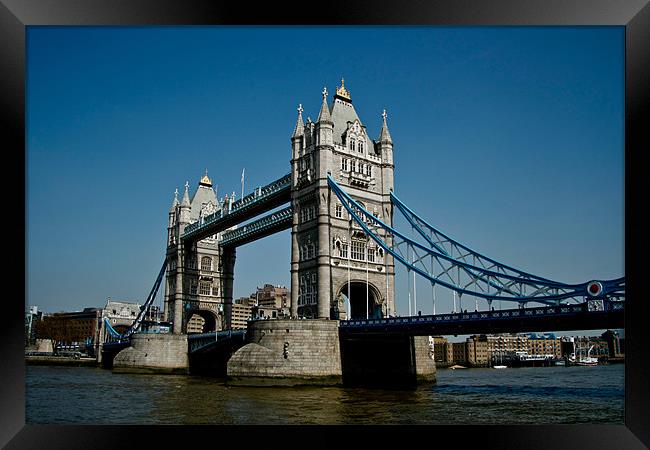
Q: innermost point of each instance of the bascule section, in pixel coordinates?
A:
(337, 272)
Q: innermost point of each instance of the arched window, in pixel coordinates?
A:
(206, 263)
(351, 144)
(360, 147)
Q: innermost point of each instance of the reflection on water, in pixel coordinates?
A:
(527, 395)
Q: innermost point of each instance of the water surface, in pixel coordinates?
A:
(536, 395)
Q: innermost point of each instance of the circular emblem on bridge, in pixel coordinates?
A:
(594, 288)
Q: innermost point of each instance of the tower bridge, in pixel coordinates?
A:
(339, 202)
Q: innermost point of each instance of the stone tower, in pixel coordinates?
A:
(337, 272)
(198, 286)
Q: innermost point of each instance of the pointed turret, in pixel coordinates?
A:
(385, 148)
(186, 195)
(300, 126)
(324, 115)
(184, 213)
(384, 136)
(298, 137)
(174, 202)
(172, 219)
(324, 124)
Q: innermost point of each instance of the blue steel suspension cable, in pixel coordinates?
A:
(572, 290)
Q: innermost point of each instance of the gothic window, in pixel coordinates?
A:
(371, 255)
(343, 251)
(344, 164)
(354, 166)
(339, 211)
(204, 288)
(307, 213)
(361, 167)
(206, 263)
(360, 147)
(351, 144)
(193, 287)
(302, 294)
(358, 250)
(369, 170)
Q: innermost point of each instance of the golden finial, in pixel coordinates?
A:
(342, 91)
(205, 180)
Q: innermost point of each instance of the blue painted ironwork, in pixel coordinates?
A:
(204, 341)
(259, 196)
(115, 335)
(593, 314)
(482, 278)
(271, 223)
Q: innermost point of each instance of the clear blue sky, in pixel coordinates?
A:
(509, 139)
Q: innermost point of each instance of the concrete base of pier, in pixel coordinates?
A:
(154, 353)
(287, 352)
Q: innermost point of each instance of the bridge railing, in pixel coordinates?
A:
(606, 306)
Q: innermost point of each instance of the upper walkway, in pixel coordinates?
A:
(261, 200)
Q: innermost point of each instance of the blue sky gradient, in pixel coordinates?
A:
(508, 139)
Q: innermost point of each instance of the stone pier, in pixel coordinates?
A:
(154, 353)
(292, 352)
(288, 352)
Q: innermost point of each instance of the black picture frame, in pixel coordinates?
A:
(16, 15)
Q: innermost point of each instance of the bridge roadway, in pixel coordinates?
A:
(592, 315)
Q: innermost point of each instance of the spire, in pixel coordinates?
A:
(384, 136)
(175, 202)
(186, 195)
(324, 115)
(300, 127)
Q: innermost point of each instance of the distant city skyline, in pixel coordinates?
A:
(509, 139)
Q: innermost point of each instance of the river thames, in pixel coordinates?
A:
(535, 395)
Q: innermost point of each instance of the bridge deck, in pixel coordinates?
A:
(548, 318)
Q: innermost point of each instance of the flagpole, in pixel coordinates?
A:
(242, 182)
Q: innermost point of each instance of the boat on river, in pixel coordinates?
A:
(582, 360)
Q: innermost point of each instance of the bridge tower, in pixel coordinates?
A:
(198, 287)
(337, 272)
